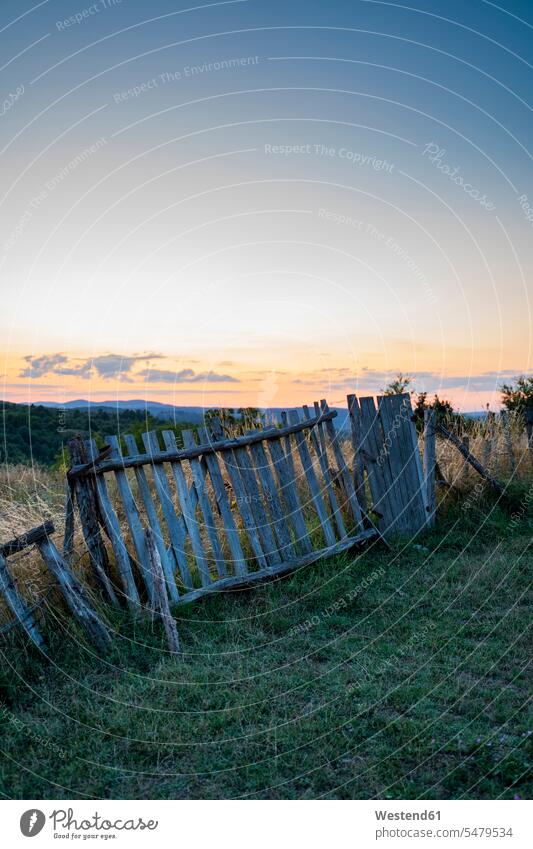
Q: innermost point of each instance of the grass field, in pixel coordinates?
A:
(391, 674)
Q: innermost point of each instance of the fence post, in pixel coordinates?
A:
(18, 606)
(430, 462)
(88, 509)
(74, 594)
(160, 597)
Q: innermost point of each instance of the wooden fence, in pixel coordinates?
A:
(226, 512)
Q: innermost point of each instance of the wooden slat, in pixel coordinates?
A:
(258, 511)
(310, 475)
(234, 583)
(354, 413)
(199, 472)
(401, 493)
(318, 442)
(114, 532)
(241, 497)
(289, 493)
(167, 564)
(343, 468)
(132, 517)
(18, 606)
(188, 513)
(412, 461)
(287, 445)
(378, 472)
(264, 473)
(74, 595)
(230, 528)
(14, 546)
(87, 507)
(176, 529)
(161, 605)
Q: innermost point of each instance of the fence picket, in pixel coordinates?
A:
(151, 512)
(343, 468)
(310, 475)
(176, 529)
(118, 544)
(188, 510)
(318, 442)
(230, 528)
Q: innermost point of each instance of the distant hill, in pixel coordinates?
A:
(177, 414)
(39, 434)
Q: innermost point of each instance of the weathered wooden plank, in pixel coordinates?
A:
(86, 499)
(393, 439)
(412, 461)
(214, 446)
(132, 516)
(312, 481)
(14, 546)
(167, 564)
(289, 492)
(230, 528)
(378, 471)
(241, 498)
(343, 468)
(161, 606)
(287, 444)
(112, 525)
(176, 529)
(430, 462)
(188, 513)
(74, 595)
(281, 569)
(411, 428)
(354, 413)
(18, 606)
(261, 521)
(195, 497)
(268, 485)
(318, 442)
(198, 471)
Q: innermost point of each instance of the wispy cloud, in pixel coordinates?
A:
(186, 375)
(41, 366)
(106, 366)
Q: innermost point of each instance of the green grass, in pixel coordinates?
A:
(413, 686)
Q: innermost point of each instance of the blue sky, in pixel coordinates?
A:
(250, 199)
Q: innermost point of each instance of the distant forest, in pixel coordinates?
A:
(34, 434)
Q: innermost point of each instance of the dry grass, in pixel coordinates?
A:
(493, 447)
(29, 496)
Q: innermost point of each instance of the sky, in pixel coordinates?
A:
(262, 203)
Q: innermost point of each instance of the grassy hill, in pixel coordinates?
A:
(396, 674)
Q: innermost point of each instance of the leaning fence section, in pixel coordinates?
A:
(222, 512)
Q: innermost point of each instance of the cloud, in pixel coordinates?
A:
(186, 375)
(107, 366)
(41, 366)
